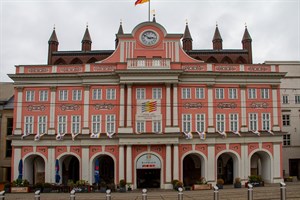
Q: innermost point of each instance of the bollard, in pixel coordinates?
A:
(216, 193)
(180, 193)
(108, 194)
(2, 195)
(37, 195)
(250, 192)
(144, 194)
(282, 191)
(72, 195)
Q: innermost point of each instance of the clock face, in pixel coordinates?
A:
(149, 38)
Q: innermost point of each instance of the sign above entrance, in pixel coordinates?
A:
(148, 161)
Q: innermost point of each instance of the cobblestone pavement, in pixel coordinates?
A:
(269, 192)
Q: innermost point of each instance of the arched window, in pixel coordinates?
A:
(226, 60)
(212, 60)
(92, 60)
(60, 61)
(76, 61)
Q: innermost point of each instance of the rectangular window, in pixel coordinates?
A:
(110, 123)
(264, 93)
(200, 122)
(285, 120)
(140, 93)
(219, 93)
(43, 95)
(220, 121)
(8, 151)
(287, 140)
(156, 126)
(140, 126)
(186, 93)
(297, 99)
(96, 124)
(232, 93)
(266, 121)
(63, 95)
(199, 93)
(97, 94)
(285, 99)
(62, 124)
(9, 126)
(234, 122)
(253, 121)
(28, 125)
(42, 124)
(110, 94)
(186, 122)
(252, 93)
(76, 124)
(76, 95)
(156, 93)
(30, 95)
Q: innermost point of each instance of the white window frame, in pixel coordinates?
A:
(232, 93)
(76, 95)
(253, 121)
(96, 124)
(287, 140)
(264, 93)
(28, 124)
(156, 93)
(297, 99)
(140, 126)
(156, 126)
(234, 122)
(200, 122)
(110, 93)
(43, 95)
(62, 124)
(97, 94)
(75, 126)
(63, 95)
(186, 122)
(200, 93)
(110, 125)
(186, 93)
(266, 121)
(252, 93)
(30, 95)
(286, 120)
(220, 122)
(42, 124)
(220, 93)
(285, 99)
(140, 93)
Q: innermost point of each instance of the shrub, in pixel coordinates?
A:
(202, 181)
(237, 180)
(81, 183)
(70, 183)
(38, 185)
(220, 181)
(254, 178)
(122, 183)
(179, 184)
(174, 182)
(20, 183)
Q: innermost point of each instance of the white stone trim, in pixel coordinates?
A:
(85, 164)
(211, 174)
(243, 110)
(86, 110)
(19, 111)
(129, 165)
(129, 114)
(168, 163)
(17, 157)
(175, 105)
(122, 102)
(87, 68)
(51, 130)
(175, 163)
(210, 109)
(121, 162)
(168, 105)
(275, 110)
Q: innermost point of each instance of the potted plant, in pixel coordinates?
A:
(82, 186)
(174, 183)
(255, 180)
(122, 185)
(202, 184)
(70, 184)
(103, 187)
(129, 187)
(220, 183)
(19, 185)
(7, 187)
(179, 184)
(38, 186)
(47, 187)
(237, 182)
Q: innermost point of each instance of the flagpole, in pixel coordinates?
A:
(149, 11)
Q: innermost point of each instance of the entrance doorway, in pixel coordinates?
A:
(148, 178)
(191, 169)
(295, 167)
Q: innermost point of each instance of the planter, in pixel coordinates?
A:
(122, 189)
(238, 185)
(220, 186)
(19, 189)
(47, 190)
(202, 187)
(81, 189)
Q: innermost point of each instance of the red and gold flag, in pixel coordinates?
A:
(141, 1)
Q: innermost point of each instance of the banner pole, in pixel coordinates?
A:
(149, 11)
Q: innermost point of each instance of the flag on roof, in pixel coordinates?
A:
(141, 1)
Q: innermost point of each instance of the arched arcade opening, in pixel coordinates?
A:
(34, 169)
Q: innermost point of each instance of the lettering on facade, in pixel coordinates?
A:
(192, 105)
(36, 107)
(226, 68)
(227, 105)
(259, 105)
(104, 68)
(193, 68)
(71, 69)
(38, 70)
(104, 106)
(65, 107)
(258, 68)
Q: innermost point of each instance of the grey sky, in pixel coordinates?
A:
(27, 25)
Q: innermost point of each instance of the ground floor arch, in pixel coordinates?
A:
(70, 169)
(260, 165)
(193, 168)
(106, 169)
(227, 167)
(34, 169)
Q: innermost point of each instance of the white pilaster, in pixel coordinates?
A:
(175, 163)
(211, 168)
(168, 164)
(210, 104)
(244, 170)
(277, 164)
(51, 130)
(129, 111)
(275, 109)
(129, 164)
(121, 162)
(17, 157)
(85, 168)
(175, 105)
(85, 129)
(244, 127)
(50, 173)
(19, 112)
(168, 105)
(122, 102)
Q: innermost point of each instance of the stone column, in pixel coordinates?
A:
(175, 163)
(51, 130)
(85, 129)
(168, 167)
(122, 102)
(275, 108)
(19, 99)
(129, 164)
(121, 162)
(129, 103)
(175, 105)
(168, 105)
(244, 127)
(50, 173)
(245, 165)
(16, 160)
(85, 166)
(211, 168)
(210, 104)
(277, 164)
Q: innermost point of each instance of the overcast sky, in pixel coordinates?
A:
(27, 25)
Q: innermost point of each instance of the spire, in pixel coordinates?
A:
(86, 40)
(217, 39)
(246, 35)
(52, 45)
(187, 34)
(187, 40)
(53, 37)
(247, 44)
(120, 31)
